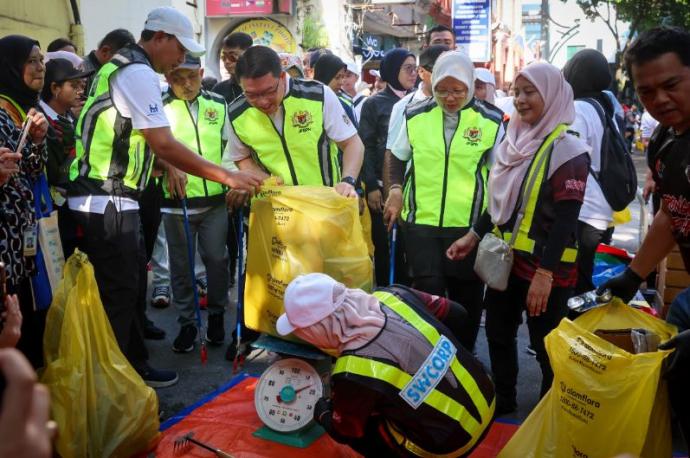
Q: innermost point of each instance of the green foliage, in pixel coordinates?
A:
(314, 34)
(641, 14)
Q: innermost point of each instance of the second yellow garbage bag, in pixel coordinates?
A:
(604, 401)
(296, 230)
(101, 405)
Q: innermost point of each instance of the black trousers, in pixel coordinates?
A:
(114, 243)
(379, 236)
(150, 213)
(33, 324)
(503, 317)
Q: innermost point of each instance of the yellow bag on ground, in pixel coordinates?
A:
(102, 406)
(297, 230)
(604, 401)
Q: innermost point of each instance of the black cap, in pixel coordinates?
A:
(61, 70)
(428, 57)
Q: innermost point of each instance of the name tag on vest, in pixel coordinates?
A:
(430, 373)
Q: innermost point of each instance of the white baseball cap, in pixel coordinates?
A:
(352, 67)
(375, 73)
(484, 75)
(308, 299)
(169, 20)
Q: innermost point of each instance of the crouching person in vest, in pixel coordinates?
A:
(445, 144)
(286, 127)
(198, 120)
(402, 384)
(536, 188)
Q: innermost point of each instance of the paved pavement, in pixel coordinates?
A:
(197, 380)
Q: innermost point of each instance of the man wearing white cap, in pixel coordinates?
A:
(121, 125)
(402, 384)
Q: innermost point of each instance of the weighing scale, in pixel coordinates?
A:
(287, 392)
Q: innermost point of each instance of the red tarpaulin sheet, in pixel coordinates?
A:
(227, 419)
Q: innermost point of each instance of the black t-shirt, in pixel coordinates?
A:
(668, 156)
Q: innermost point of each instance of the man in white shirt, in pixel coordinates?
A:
(121, 125)
(279, 122)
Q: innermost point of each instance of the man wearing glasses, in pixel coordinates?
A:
(290, 128)
(234, 45)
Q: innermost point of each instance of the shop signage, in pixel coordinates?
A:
(269, 33)
(472, 26)
(247, 7)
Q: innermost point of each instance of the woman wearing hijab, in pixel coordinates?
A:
(331, 70)
(445, 144)
(589, 75)
(402, 384)
(399, 71)
(538, 147)
(21, 79)
(485, 85)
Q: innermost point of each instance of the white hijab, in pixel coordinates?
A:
(456, 65)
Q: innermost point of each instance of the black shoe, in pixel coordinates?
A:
(153, 332)
(215, 332)
(231, 352)
(160, 297)
(184, 342)
(158, 378)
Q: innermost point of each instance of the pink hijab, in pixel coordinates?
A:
(355, 322)
(514, 154)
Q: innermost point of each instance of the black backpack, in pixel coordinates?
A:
(617, 176)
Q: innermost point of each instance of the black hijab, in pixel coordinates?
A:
(589, 74)
(327, 67)
(14, 52)
(390, 66)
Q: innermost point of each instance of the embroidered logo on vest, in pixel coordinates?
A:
(473, 135)
(211, 115)
(302, 120)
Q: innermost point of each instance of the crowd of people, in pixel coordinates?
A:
(148, 161)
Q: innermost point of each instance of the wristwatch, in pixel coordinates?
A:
(349, 180)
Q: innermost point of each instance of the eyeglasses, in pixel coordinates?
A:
(409, 68)
(229, 57)
(268, 93)
(456, 94)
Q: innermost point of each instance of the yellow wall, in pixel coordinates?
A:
(44, 20)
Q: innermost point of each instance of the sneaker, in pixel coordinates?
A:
(215, 332)
(158, 378)
(184, 342)
(161, 297)
(202, 286)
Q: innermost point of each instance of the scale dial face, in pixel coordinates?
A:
(287, 393)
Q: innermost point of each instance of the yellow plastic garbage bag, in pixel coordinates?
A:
(296, 230)
(101, 405)
(604, 401)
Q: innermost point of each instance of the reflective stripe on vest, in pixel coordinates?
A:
(436, 399)
(108, 150)
(446, 184)
(522, 241)
(204, 137)
(303, 154)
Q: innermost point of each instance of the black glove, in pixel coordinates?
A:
(323, 411)
(623, 285)
(679, 360)
(65, 132)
